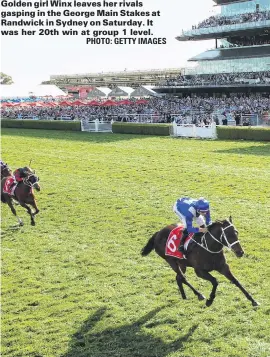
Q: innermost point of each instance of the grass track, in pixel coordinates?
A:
(76, 286)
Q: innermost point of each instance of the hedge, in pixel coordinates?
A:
(243, 133)
(142, 129)
(223, 132)
(41, 124)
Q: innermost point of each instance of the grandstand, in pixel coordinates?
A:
(236, 71)
(111, 80)
(240, 61)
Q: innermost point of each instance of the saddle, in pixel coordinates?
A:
(174, 240)
(10, 186)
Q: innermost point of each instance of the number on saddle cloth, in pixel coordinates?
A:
(9, 186)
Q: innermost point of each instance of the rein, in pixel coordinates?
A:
(223, 236)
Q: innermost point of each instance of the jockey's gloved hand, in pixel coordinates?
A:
(203, 229)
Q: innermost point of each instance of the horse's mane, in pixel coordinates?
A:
(217, 222)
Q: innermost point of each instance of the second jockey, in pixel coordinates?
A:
(188, 209)
(3, 165)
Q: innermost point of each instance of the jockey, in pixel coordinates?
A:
(21, 173)
(3, 165)
(187, 209)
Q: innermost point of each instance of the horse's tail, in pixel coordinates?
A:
(149, 246)
(3, 198)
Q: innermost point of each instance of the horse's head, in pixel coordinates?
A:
(32, 181)
(5, 171)
(228, 235)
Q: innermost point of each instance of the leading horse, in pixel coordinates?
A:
(24, 195)
(204, 254)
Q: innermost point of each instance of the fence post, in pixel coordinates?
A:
(194, 131)
(174, 125)
(214, 130)
(96, 124)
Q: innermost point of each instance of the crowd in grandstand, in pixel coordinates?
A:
(197, 109)
(218, 20)
(252, 41)
(220, 79)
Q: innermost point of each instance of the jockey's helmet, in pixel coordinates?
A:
(202, 205)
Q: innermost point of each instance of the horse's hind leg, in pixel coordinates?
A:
(226, 272)
(180, 286)
(179, 275)
(207, 276)
(10, 204)
(180, 270)
(33, 223)
(196, 292)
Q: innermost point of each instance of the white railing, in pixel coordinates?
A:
(96, 125)
(193, 131)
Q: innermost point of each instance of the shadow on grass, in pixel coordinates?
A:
(69, 135)
(10, 231)
(124, 341)
(262, 150)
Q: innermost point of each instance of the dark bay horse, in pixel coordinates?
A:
(204, 254)
(24, 195)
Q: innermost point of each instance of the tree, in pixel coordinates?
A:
(5, 79)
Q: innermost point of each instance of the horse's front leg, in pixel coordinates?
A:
(34, 205)
(29, 211)
(227, 272)
(207, 276)
(10, 204)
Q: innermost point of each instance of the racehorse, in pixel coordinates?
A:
(204, 254)
(24, 195)
(5, 171)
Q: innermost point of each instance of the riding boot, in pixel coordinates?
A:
(182, 242)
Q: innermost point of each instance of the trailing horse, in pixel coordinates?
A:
(204, 254)
(5, 171)
(23, 194)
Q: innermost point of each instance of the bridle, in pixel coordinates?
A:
(29, 183)
(223, 238)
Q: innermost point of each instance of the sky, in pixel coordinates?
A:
(32, 59)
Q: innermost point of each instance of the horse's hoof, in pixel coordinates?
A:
(201, 297)
(21, 224)
(255, 303)
(209, 303)
(33, 223)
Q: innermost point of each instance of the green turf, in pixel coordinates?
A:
(76, 285)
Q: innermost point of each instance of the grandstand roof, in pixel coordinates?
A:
(104, 90)
(99, 92)
(121, 91)
(24, 91)
(144, 91)
(225, 2)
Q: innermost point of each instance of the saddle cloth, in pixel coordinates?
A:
(174, 240)
(9, 187)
